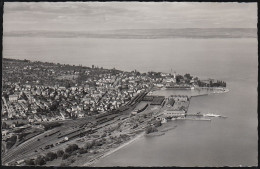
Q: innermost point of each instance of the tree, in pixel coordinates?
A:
(150, 129)
(178, 78)
(89, 144)
(50, 156)
(157, 123)
(4, 125)
(188, 76)
(29, 162)
(75, 146)
(83, 151)
(71, 148)
(211, 84)
(65, 156)
(98, 142)
(40, 160)
(60, 153)
(124, 136)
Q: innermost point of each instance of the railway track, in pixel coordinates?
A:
(25, 148)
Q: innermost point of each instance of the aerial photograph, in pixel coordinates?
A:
(129, 84)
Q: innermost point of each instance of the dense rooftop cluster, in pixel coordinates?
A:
(41, 91)
(38, 96)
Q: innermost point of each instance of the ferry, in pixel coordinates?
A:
(212, 115)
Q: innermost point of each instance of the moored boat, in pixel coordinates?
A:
(212, 115)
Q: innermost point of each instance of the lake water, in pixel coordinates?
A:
(222, 142)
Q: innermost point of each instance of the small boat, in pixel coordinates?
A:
(212, 115)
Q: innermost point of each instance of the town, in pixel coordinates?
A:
(50, 107)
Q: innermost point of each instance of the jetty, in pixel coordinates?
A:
(198, 119)
(195, 119)
(197, 115)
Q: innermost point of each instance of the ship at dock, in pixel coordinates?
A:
(199, 114)
(211, 115)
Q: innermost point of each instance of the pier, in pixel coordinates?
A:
(198, 119)
(198, 115)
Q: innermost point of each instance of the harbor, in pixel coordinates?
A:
(176, 107)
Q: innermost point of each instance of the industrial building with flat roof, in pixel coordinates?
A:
(157, 100)
(170, 102)
(180, 97)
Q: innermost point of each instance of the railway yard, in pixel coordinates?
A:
(111, 129)
(68, 132)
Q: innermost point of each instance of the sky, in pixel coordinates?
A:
(93, 16)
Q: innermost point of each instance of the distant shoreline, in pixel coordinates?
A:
(163, 33)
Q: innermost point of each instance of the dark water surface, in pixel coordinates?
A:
(221, 142)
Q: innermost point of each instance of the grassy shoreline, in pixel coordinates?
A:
(161, 131)
(112, 150)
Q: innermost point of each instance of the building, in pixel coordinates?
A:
(157, 100)
(62, 88)
(171, 80)
(170, 102)
(13, 98)
(179, 97)
(80, 115)
(159, 85)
